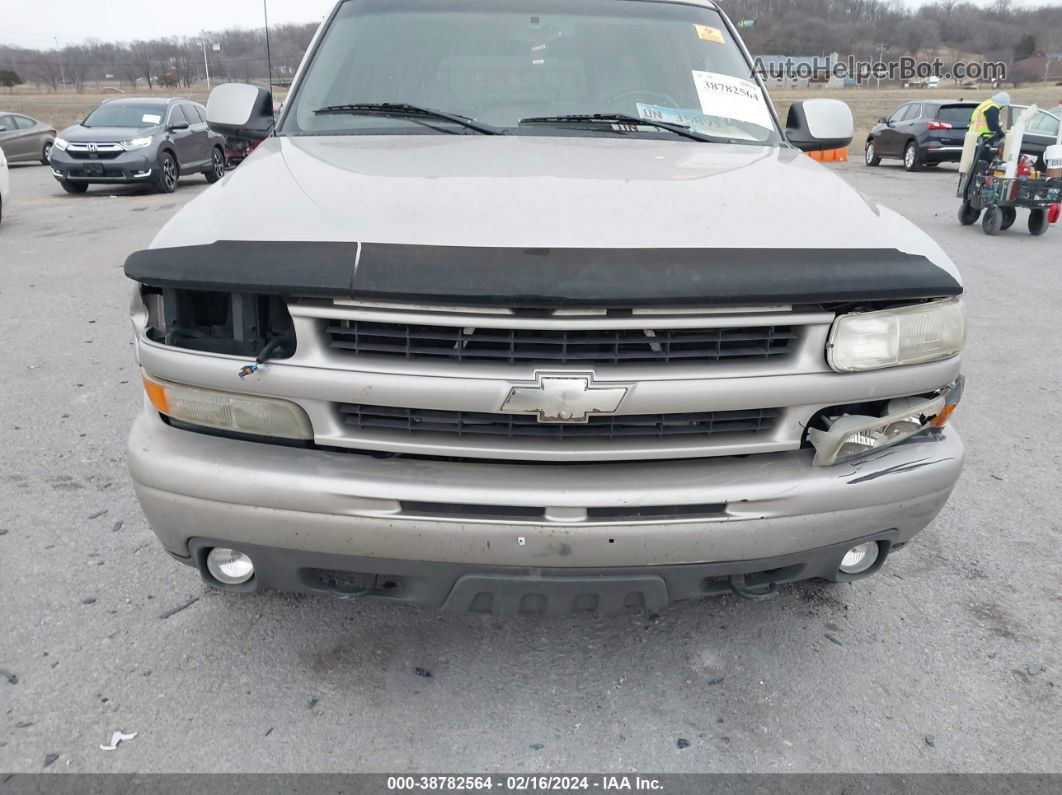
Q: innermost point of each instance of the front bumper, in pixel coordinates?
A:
(135, 166)
(307, 509)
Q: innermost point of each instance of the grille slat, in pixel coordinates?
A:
(590, 346)
(523, 426)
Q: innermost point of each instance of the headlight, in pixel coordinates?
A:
(893, 337)
(61, 144)
(852, 435)
(138, 143)
(228, 411)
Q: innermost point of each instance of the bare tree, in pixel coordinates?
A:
(77, 61)
(46, 71)
(144, 54)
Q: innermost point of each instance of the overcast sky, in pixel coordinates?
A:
(32, 23)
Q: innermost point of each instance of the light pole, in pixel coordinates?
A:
(62, 74)
(206, 64)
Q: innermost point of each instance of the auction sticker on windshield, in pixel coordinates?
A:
(732, 98)
(695, 120)
(150, 118)
(707, 33)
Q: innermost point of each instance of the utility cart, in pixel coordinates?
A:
(1000, 197)
(997, 180)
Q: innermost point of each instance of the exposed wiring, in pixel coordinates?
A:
(263, 355)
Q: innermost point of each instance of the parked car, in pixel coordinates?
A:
(5, 184)
(922, 133)
(149, 141)
(1041, 133)
(25, 139)
(519, 337)
(238, 149)
(930, 82)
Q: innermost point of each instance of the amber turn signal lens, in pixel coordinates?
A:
(942, 418)
(157, 395)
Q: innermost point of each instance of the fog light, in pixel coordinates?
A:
(229, 566)
(860, 558)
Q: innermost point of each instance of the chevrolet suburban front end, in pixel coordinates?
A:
(535, 307)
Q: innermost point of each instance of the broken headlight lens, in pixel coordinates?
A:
(892, 337)
(853, 435)
(229, 411)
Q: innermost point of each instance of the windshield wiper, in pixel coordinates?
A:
(400, 109)
(620, 118)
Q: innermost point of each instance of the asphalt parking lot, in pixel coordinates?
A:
(949, 660)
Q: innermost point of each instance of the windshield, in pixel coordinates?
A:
(502, 61)
(126, 114)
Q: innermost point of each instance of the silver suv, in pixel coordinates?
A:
(138, 141)
(536, 307)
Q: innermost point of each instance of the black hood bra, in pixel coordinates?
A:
(546, 277)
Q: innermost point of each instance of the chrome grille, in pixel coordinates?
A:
(701, 425)
(580, 345)
(91, 151)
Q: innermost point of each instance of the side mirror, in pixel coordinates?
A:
(179, 125)
(817, 124)
(240, 109)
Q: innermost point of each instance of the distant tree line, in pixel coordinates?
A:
(864, 28)
(176, 61)
(995, 31)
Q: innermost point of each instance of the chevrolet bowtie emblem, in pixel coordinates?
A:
(571, 397)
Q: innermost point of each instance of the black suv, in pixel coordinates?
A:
(150, 141)
(923, 133)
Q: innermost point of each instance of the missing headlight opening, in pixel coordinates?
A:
(237, 324)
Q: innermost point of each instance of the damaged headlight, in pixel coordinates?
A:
(893, 337)
(228, 411)
(852, 435)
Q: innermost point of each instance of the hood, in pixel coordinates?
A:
(540, 192)
(79, 134)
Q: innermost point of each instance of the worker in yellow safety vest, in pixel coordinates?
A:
(986, 129)
(985, 121)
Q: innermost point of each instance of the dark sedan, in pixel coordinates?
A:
(147, 141)
(922, 133)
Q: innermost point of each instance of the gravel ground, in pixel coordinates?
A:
(948, 660)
